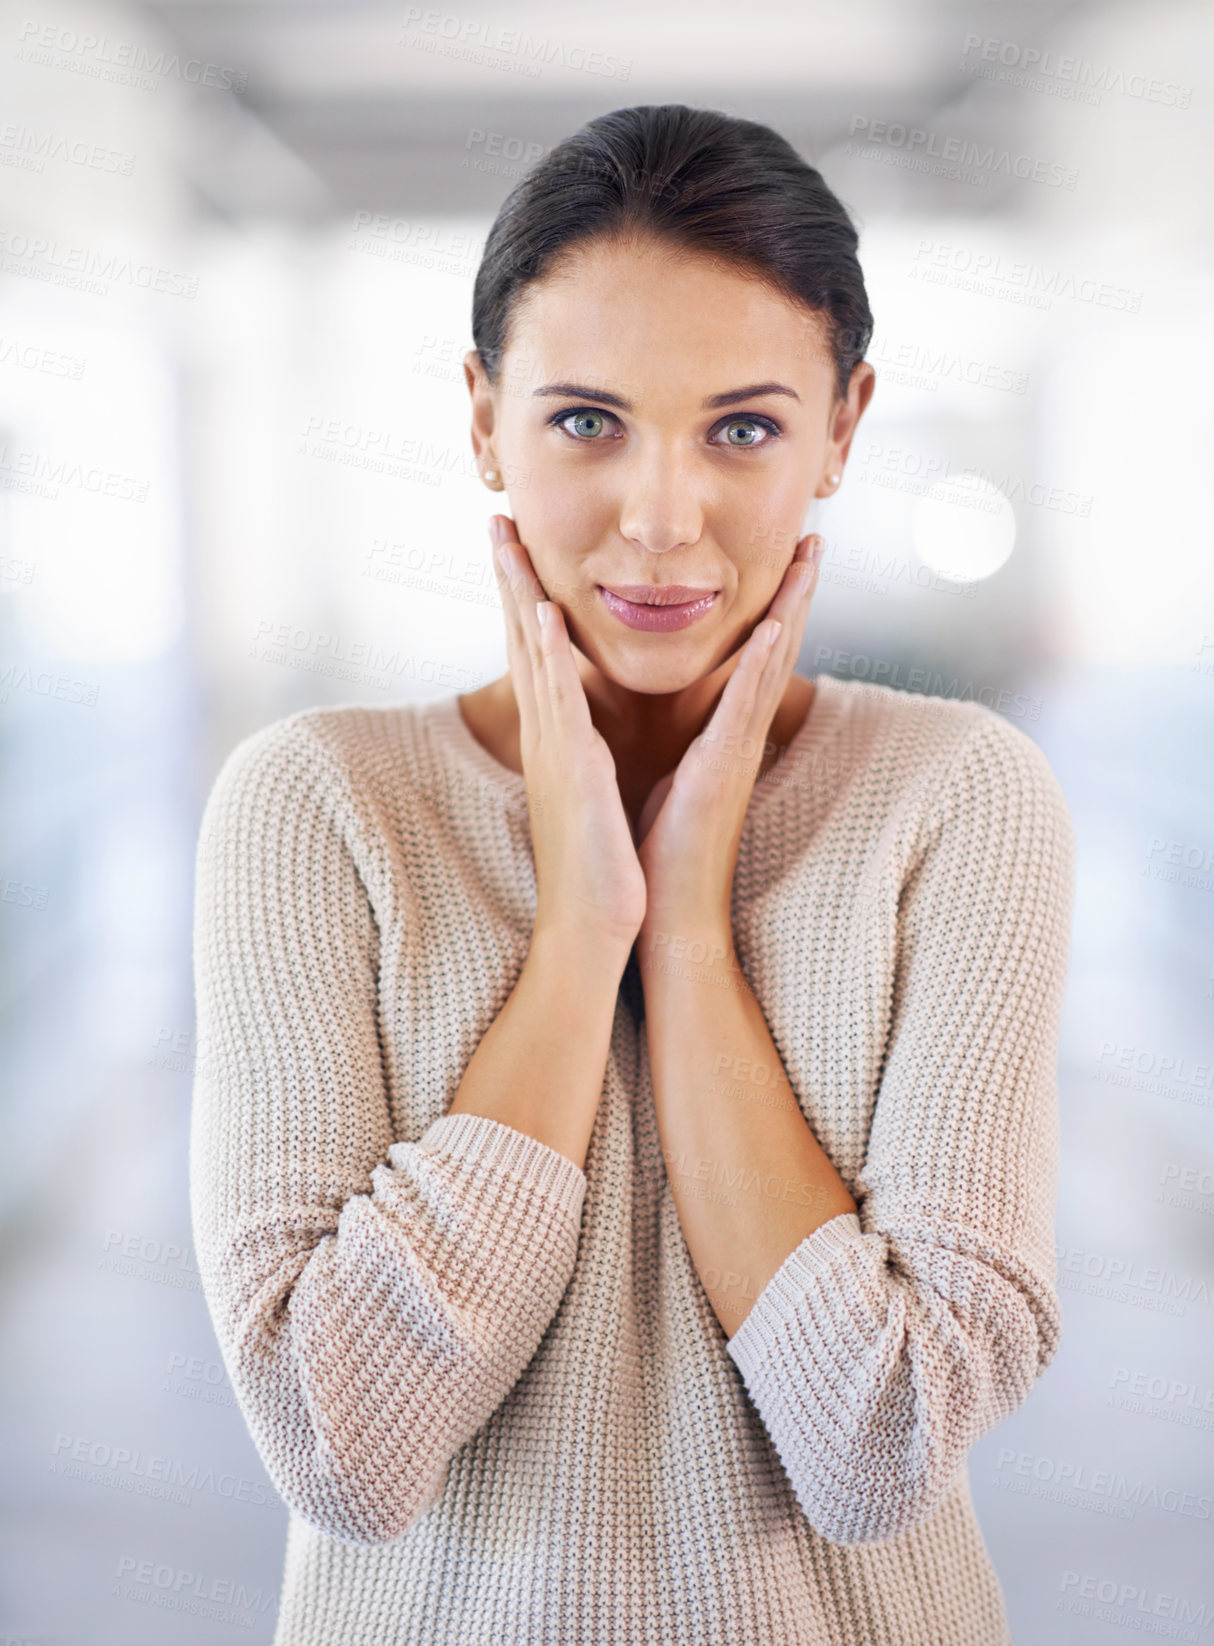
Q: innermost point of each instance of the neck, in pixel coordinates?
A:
(649, 733)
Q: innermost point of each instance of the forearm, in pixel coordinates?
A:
(749, 1177)
(539, 1067)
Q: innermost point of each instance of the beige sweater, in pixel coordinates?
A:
(489, 1386)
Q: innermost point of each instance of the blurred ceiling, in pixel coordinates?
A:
(402, 109)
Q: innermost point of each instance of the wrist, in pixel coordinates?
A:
(583, 951)
(695, 939)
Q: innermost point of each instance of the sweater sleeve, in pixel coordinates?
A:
(893, 1337)
(374, 1299)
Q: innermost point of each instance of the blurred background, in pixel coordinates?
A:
(237, 245)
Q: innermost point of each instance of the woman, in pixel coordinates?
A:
(623, 1170)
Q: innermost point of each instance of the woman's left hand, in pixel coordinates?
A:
(690, 825)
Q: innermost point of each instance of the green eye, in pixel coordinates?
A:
(589, 425)
(747, 427)
(586, 423)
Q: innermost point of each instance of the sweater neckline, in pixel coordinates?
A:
(823, 718)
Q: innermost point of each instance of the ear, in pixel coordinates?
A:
(483, 403)
(848, 413)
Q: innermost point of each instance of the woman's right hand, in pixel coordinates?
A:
(589, 880)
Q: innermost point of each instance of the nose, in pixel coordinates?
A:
(661, 509)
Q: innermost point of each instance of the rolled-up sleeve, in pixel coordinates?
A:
(893, 1337)
(375, 1299)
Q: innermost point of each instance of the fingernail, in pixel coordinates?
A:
(774, 631)
(816, 552)
(496, 531)
(542, 613)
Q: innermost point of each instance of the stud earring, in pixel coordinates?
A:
(834, 479)
(490, 477)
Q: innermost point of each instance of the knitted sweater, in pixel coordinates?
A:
(489, 1385)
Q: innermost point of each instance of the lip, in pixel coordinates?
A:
(657, 609)
(663, 594)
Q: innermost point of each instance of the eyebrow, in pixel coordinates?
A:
(729, 397)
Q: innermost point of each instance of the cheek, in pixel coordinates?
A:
(560, 514)
(555, 540)
(762, 539)
(555, 528)
(776, 489)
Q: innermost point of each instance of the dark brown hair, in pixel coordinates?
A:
(698, 179)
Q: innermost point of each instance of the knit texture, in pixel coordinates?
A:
(490, 1386)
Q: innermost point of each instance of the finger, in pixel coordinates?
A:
(523, 655)
(523, 574)
(734, 721)
(792, 598)
(567, 704)
(549, 689)
(527, 591)
(791, 606)
(754, 690)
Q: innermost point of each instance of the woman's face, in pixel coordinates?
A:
(660, 421)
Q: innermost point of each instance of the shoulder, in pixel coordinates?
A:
(959, 756)
(356, 740)
(345, 761)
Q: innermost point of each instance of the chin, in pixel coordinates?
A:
(666, 665)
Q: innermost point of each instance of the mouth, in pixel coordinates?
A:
(657, 609)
